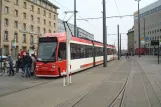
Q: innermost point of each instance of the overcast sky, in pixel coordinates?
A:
(93, 8)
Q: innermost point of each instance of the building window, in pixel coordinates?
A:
(16, 2)
(24, 5)
(16, 36)
(38, 29)
(54, 31)
(38, 20)
(160, 37)
(158, 30)
(24, 15)
(155, 31)
(49, 23)
(32, 18)
(44, 30)
(157, 37)
(6, 35)
(54, 25)
(49, 15)
(38, 10)
(44, 21)
(6, 10)
(49, 31)
(6, 22)
(24, 26)
(32, 28)
(16, 24)
(16, 13)
(32, 8)
(31, 39)
(54, 17)
(24, 38)
(44, 13)
(6, 0)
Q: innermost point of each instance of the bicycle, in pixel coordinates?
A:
(3, 68)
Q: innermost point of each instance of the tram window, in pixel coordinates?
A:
(74, 51)
(62, 51)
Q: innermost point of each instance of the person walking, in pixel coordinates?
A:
(33, 64)
(27, 62)
(127, 55)
(10, 60)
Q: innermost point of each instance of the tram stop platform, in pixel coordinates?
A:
(132, 82)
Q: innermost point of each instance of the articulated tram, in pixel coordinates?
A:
(51, 56)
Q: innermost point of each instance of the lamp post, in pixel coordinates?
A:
(138, 25)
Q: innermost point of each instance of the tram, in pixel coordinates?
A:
(51, 55)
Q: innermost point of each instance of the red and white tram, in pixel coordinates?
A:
(51, 56)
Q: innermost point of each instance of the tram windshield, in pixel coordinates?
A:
(47, 51)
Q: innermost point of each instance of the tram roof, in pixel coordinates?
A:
(62, 38)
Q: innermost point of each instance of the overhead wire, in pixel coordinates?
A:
(77, 15)
(119, 12)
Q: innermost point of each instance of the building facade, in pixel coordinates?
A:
(23, 21)
(152, 16)
(130, 44)
(80, 32)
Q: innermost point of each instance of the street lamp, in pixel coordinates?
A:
(138, 25)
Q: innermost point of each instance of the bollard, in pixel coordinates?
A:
(70, 78)
(64, 78)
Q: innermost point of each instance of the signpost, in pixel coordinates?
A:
(155, 43)
(14, 47)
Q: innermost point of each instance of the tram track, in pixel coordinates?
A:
(72, 103)
(121, 92)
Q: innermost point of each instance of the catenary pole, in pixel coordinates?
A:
(139, 26)
(118, 43)
(75, 19)
(104, 35)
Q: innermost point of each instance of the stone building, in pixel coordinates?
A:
(24, 21)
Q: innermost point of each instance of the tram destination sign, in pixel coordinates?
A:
(154, 42)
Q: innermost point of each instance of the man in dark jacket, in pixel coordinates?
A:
(27, 63)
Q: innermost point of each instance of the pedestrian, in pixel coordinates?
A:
(10, 60)
(18, 63)
(127, 55)
(33, 64)
(27, 63)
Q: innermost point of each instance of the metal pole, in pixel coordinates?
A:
(144, 35)
(75, 19)
(139, 26)
(104, 34)
(67, 53)
(158, 53)
(118, 43)
(1, 30)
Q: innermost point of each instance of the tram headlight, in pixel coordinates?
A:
(53, 66)
(37, 66)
